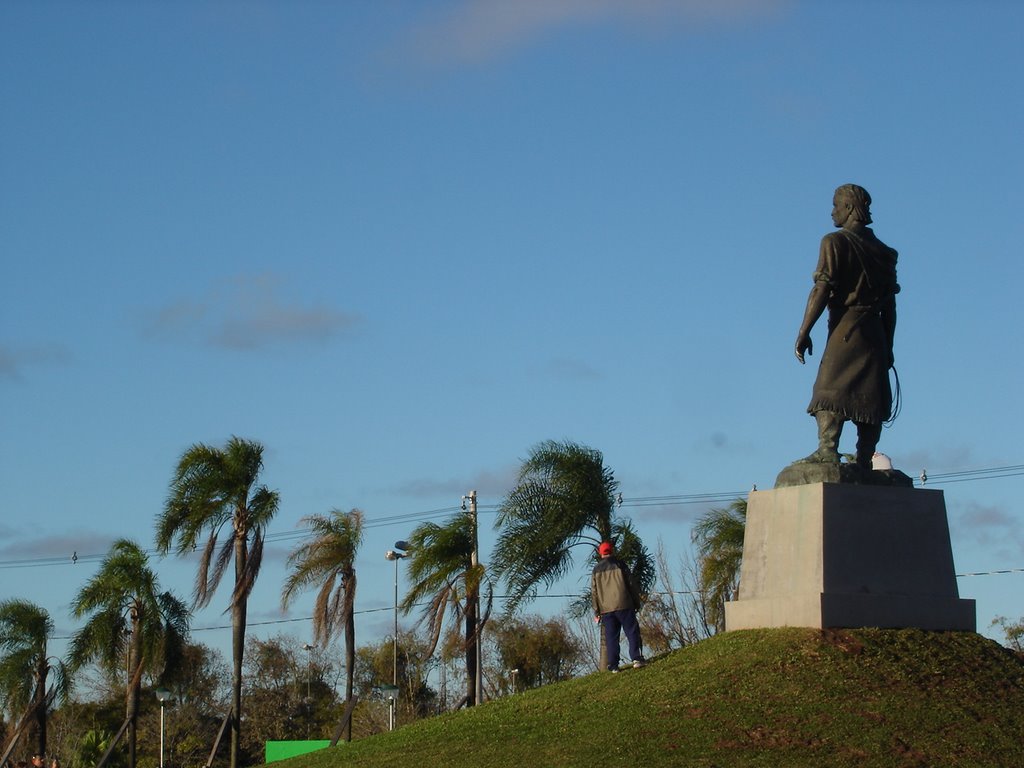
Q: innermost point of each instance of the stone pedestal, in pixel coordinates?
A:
(838, 555)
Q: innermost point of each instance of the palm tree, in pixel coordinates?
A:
(93, 746)
(328, 559)
(564, 497)
(718, 535)
(212, 490)
(29, 683)
(128, 615)
(442, 574)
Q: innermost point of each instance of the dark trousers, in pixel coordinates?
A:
(626, 621)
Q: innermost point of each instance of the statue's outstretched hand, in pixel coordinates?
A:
(803, 344)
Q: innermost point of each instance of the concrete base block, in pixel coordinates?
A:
(837, 555)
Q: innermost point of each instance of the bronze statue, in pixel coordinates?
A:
(856, 280)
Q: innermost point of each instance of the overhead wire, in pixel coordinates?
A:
(925, 479)
(990, 473)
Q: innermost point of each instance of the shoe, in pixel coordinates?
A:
(613, 670)
(637, 663)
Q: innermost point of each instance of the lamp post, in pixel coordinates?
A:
(309, 697)
(163, 696)
(514, 673)
(395, 554)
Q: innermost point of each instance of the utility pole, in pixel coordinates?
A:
(474, 561)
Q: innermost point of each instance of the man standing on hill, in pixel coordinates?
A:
(615, 599)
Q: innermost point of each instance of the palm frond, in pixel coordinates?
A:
(718, 536)
(327, 558)
(564, 497)
(253, 562)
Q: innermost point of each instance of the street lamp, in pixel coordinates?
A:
(163, 696)
(395, 554)
(514, 673)
(309, 698)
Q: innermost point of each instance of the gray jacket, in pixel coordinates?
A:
(612, 587)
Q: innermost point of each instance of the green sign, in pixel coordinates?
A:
(282, 750)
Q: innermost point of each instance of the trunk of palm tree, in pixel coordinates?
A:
(237, 648)
(350, 663)
(39, 696)
(134, 685)
(472, 611)
(238, 611)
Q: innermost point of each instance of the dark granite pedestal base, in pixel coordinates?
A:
(810, 472)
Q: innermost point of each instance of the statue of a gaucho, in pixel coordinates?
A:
(856, 280)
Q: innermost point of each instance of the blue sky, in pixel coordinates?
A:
(402, 243)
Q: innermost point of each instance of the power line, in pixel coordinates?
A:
(990, 573)
(556, 596)
(690, 498)
(992, 473)
(721, 497)
(380, 522)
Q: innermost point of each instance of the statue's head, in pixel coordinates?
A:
(858, 201)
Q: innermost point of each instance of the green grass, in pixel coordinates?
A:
(779, 697)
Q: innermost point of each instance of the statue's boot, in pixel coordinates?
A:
(867, 441)
(830, 427)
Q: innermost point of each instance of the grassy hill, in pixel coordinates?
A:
(780, 697)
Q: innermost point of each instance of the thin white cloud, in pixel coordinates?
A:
(176, 318)
(720, 442)
(246, 313)
(681, 514)
(13, 360)
(572, 370)
(475, 30)
(980, 516)
(278, 553)
(71, 544)
(935, 460)
(989, 526)
(493, 485)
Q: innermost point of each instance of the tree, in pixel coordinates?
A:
(442, 574)
(200, 692)
(676, 615)
(327, 559)
(94, 745)
(66, 724)
(532, 651)
(27, 688)
(718, 535)
(286, 694)
(374, 664)
(564, 497)
(213, 489)
(129, 619)
(1013, 631)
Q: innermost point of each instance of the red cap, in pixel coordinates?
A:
(605, 549)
